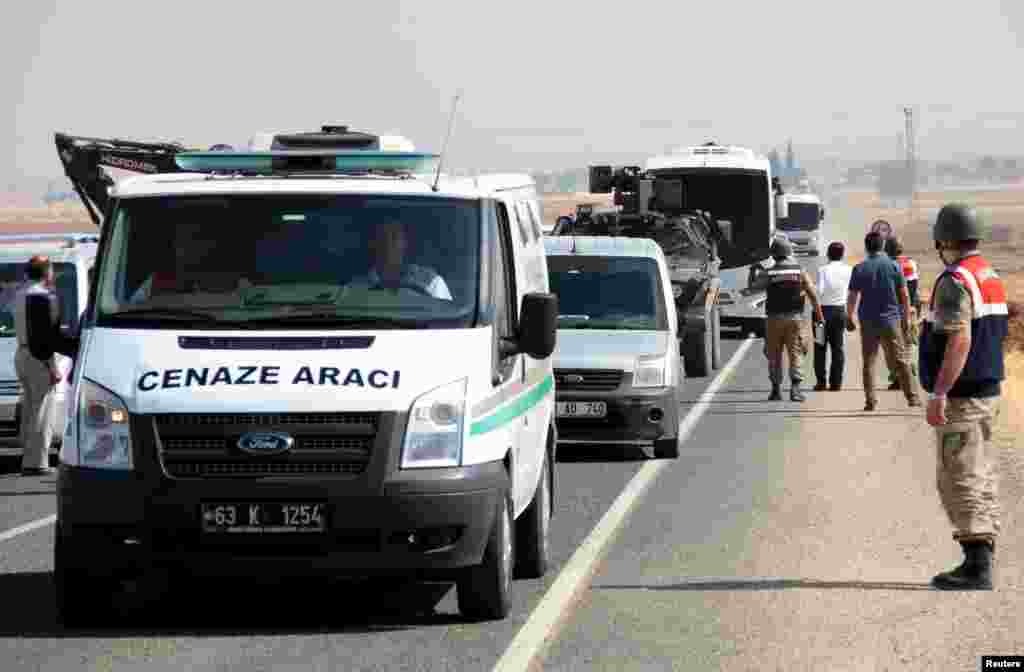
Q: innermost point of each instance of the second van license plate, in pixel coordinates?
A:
(581, 409)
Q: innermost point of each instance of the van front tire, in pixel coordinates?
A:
(485, 592)
(697, 353)
(532, 547)
(80, 597)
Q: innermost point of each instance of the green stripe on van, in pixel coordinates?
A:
(513, 410)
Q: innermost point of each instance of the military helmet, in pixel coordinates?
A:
(893, 246)
(781, 248)
(958, 221)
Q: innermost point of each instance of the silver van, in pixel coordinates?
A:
(618, 373)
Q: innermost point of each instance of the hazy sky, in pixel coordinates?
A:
(546, 84)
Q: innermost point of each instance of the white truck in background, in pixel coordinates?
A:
(804, 223)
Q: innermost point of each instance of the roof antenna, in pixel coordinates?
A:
(444, 149)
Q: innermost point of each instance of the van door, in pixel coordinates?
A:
(534, 373)
(507, 374)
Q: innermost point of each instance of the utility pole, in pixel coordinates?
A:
(911, 168)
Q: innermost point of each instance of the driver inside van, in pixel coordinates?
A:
(388, 248)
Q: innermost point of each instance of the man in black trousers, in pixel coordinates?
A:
(833, 288)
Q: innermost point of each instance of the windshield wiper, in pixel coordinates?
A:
(340, 320)
(172, 313)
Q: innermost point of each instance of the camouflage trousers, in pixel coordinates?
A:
(910, 338)
(785, 335)
(966, 468)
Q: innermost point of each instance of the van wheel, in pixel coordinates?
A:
(716, 339)
(532, 547)
(697, 357)
(666, 449)
(80, 597)
(485, 591)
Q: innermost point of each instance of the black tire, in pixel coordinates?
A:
(716, 339)
(533, 529)
(666, 449)
(697, 355)
(80, 597)
(485, 592)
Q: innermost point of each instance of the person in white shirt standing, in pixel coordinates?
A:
(833, 286)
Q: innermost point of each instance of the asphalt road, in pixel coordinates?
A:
(360, 626)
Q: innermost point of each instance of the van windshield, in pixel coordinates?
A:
(291, 261)
(13, 277)
(607, 292)
(801, 217)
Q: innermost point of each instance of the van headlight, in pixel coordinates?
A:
(433, 437)
(650, 371)
(104, 437)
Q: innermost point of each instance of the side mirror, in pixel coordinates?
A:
(538, 324)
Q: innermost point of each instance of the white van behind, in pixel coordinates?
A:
(618, 370)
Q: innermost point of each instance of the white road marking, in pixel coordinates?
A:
(526, 648)
(28, 527)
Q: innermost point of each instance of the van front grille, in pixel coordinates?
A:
(207, 445)
(587, 380)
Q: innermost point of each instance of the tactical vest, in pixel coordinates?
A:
(908, 266)
(989, 324)
(785, 290)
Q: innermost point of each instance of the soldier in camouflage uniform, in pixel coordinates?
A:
(961, 365)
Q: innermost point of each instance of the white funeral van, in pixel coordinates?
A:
(313, 361)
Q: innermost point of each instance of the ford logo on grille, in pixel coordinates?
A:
(265, 443)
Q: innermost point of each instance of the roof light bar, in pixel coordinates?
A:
(264, 163)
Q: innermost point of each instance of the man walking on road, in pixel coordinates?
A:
(878, 295)
(37, 323)
(786, 285)
(907, 266)
(962, 368)
(833, 286)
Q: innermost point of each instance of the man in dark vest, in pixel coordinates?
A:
(961, 364)
(786, 286)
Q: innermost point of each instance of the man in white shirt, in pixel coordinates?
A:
(833, 288)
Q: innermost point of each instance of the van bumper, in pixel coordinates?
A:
(630, 420)
(425, 523)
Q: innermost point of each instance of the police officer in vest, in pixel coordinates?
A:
(961, 363)
(786, 285)
(37, 324)
(908, 267)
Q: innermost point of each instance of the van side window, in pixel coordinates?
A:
(504, 286)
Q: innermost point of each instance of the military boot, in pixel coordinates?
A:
(975, 573)
(776, 393)
(795, 394)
